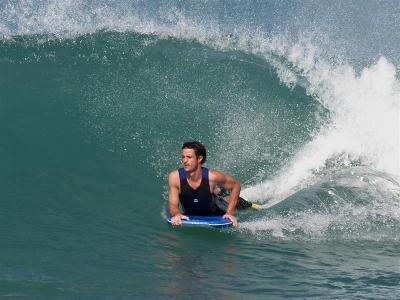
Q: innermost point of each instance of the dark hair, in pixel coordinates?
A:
(198, 148)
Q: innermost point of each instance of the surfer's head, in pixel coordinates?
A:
(198, 148)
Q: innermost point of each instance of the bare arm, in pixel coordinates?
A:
(234, 186)
(173, 195)
(229, 183)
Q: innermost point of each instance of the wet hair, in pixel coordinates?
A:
(198, 148)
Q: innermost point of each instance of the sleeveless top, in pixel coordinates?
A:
(197, 202)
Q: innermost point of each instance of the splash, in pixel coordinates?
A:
(353, 204)
(347, 223)
(364, 126)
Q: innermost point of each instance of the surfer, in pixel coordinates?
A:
(195, 188)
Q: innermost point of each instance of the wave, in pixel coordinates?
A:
(289, 110)
(362, 130)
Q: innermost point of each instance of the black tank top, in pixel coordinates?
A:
(197, 202)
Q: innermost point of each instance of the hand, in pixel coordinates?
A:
(177, 219)
(232, 218)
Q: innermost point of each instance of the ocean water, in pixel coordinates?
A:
(298, 100)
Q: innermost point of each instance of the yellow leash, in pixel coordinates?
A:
(255, 206)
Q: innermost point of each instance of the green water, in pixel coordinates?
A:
(90, 127)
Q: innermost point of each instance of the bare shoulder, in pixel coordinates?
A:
(219, 177)
(173, 178)
(215, 175)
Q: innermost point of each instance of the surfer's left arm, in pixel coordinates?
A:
(229, 183)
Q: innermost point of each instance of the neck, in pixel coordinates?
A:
(194, 175)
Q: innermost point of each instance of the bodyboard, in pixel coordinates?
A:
(205, 221)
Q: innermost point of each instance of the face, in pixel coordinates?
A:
(190, 161)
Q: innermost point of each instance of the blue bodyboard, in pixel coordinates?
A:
(205, 221)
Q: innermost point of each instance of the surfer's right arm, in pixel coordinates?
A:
(173, 195)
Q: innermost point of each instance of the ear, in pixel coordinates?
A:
(200, 158)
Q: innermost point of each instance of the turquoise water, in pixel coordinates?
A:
(298, 103)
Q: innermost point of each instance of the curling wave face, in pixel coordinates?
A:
(289, 111)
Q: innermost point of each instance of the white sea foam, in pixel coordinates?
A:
(364, 125)
(368, 222)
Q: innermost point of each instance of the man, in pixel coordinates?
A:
(195, 187)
